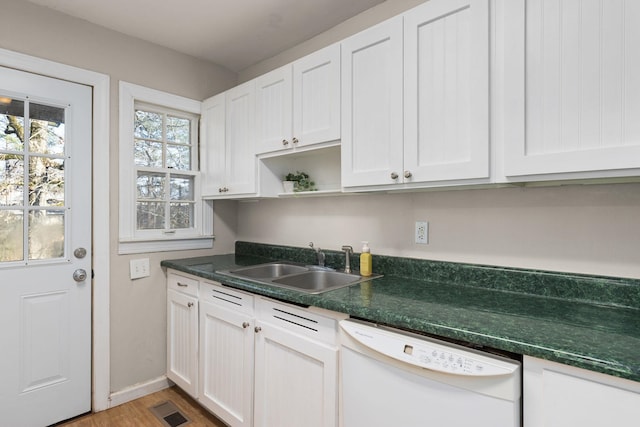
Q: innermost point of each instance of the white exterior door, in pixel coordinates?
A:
(45, 248)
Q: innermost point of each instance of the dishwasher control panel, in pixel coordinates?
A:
(427, 353)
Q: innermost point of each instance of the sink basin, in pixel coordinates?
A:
(268, 271)
(309, 279)
(318, 281)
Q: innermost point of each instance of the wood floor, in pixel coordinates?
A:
(136, 413)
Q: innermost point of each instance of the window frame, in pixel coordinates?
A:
(132, 240)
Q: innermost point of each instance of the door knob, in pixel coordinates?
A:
(394, 175)
(80, 253)
(407, 174)
(257, 329)
(79, 275)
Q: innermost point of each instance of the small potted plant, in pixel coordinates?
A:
(298, 181)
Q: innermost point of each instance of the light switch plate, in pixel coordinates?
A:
(139, 268)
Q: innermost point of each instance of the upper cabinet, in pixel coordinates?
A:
(298, 105)
(571, 88)
(228, 159)
(415, 98)
(372, 105)
(446, 91)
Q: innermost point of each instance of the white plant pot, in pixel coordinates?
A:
(288, 186)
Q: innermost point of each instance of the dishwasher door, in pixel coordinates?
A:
(393, 378)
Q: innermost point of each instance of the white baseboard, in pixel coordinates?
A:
(139, 390)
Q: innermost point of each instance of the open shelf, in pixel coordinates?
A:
(322, 165)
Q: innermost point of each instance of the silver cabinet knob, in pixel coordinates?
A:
(294, 140)
(80, 275)
(257, 329)
(245, 325)
(285, 142)
(407, 174)
(394, 175)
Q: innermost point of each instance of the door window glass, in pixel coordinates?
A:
(36, 153)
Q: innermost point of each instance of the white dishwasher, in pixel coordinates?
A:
(395, 378)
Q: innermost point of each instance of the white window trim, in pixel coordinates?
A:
(129, 242)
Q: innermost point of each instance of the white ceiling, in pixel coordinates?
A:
(231, 33)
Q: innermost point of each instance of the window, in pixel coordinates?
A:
(160, 207)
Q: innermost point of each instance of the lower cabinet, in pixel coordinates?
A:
(557, 395)
(296, 367)
(226, 353)
(182, 332)
(258, 362)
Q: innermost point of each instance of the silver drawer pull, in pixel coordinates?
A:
(183, 285)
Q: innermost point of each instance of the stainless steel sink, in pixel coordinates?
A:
(269, 271)
(318, 281)
(310, 279)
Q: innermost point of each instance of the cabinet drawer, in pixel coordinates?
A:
(217, 294)
(297, 320)
(184, 284)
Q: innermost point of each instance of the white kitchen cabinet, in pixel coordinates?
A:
(213, 145)
(226, 353)
(182, 332)
(571, 88)
(298, 105)
(372, 107)
(446, 91)
(416, 98)
(557, 395)
(228, 160)
(296, 367)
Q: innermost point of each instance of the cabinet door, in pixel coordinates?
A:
(557, 395)
(274, 110)
(240, 160)
(296, 380)
(372, 105)
(182, 341)
(446, 91)
(226, 364)
(573, 98)
(316, 97)
(212, 145)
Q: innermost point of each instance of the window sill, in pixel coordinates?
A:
(164, 245)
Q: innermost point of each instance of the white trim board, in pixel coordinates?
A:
(101, 283)
(139, 390)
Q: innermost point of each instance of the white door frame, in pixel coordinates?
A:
(101, 283)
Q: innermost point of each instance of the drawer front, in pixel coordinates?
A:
(297, 320)
(215, 293)
(184, 284)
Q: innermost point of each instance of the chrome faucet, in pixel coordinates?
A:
(319, 254)
(348, 250)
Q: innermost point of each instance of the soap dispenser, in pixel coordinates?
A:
(365, 260)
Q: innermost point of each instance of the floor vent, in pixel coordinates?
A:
(169, 415)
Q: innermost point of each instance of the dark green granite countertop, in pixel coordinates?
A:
(590, 322)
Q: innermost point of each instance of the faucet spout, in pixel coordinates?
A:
(319, 254)
(348, 250)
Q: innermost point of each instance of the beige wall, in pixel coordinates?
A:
(137, 307)
(577, 228)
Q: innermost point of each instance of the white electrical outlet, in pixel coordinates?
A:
(139, 268)
(422, 232)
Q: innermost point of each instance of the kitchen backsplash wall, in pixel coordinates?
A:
(592, 229)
